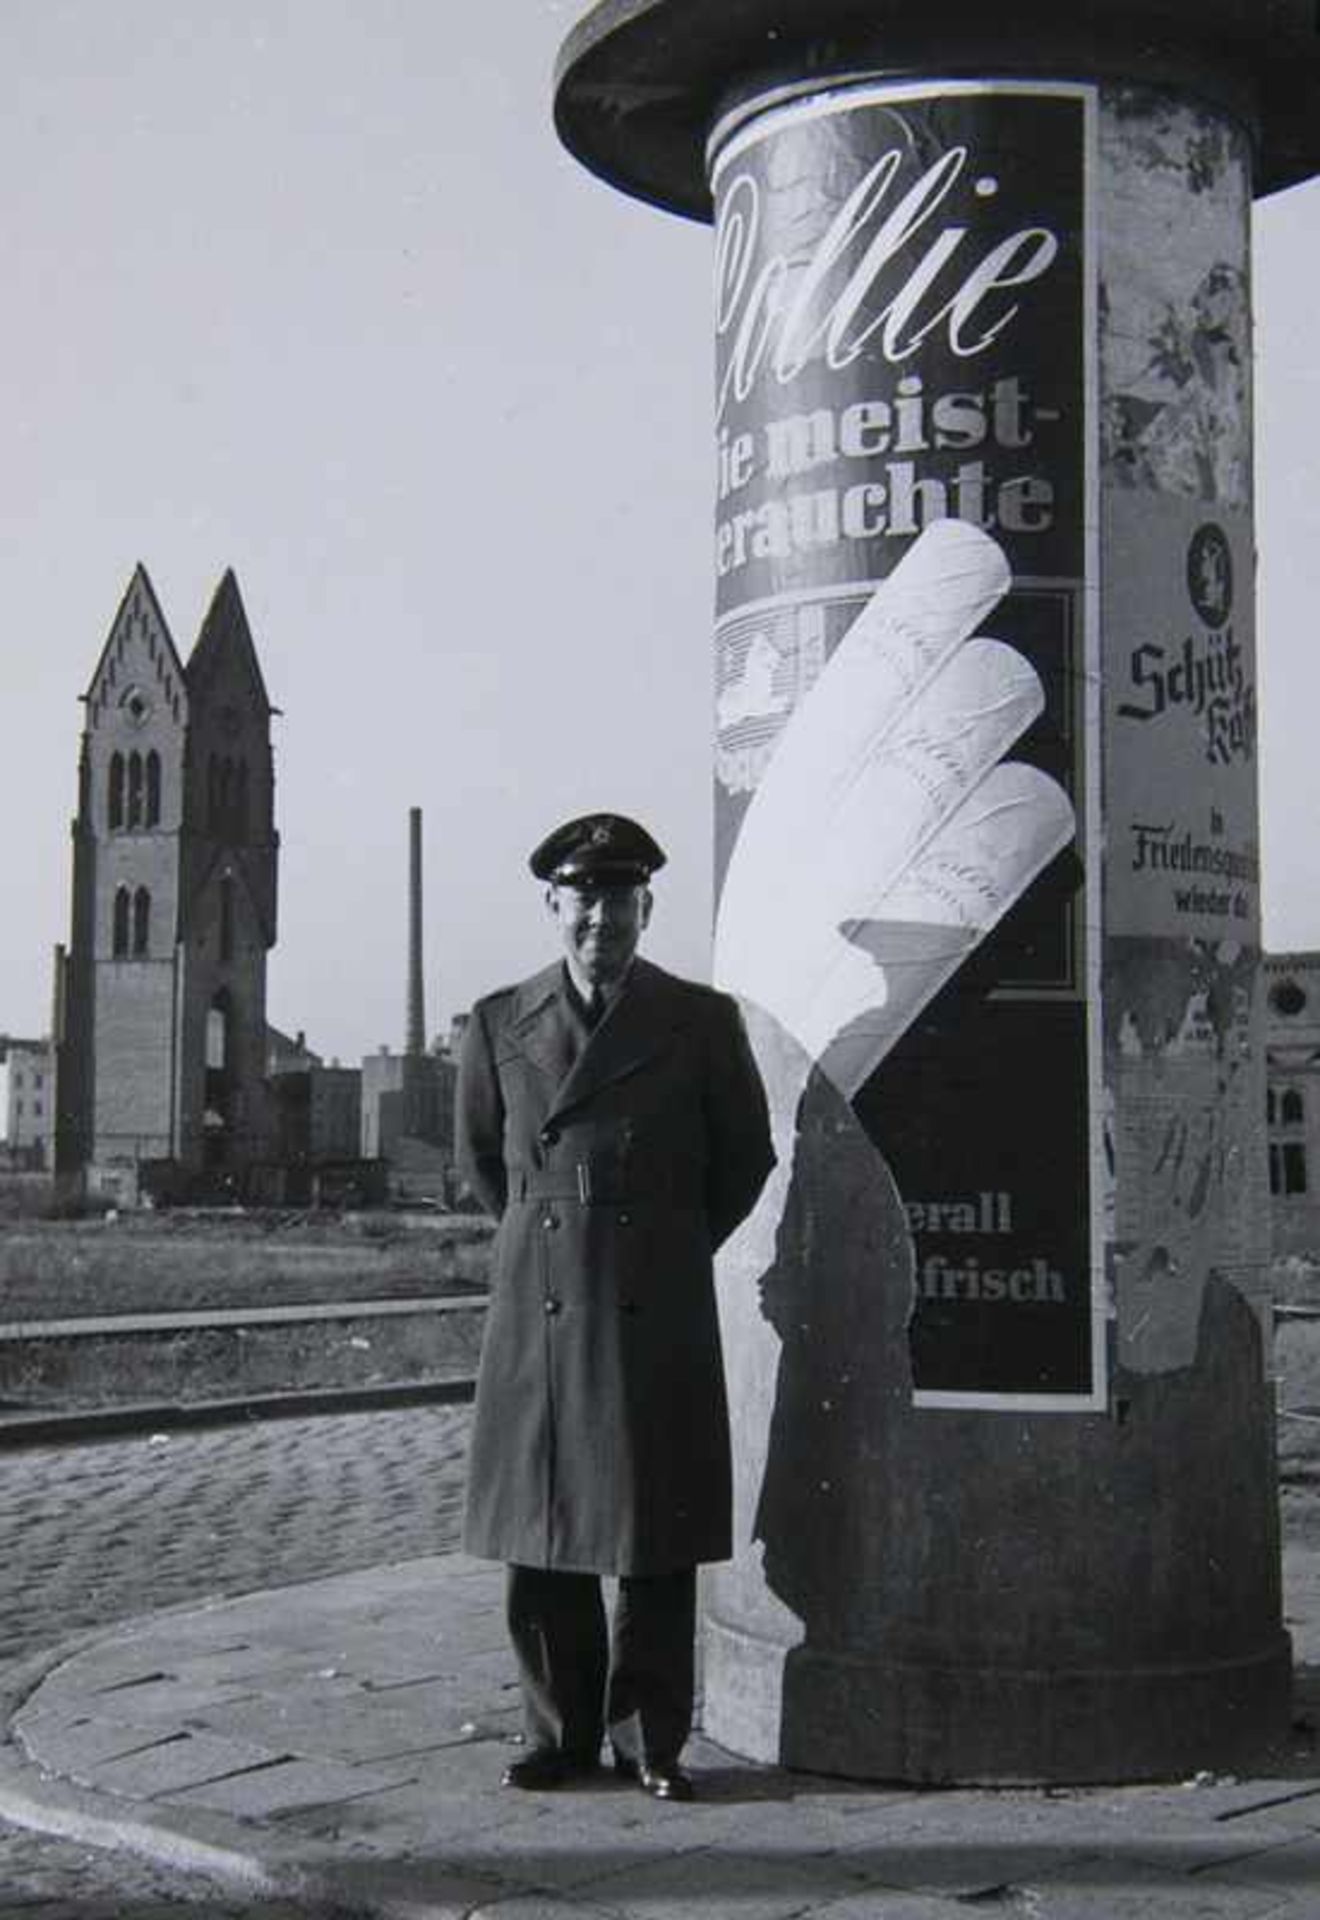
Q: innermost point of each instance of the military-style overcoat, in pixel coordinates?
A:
(615, 1162)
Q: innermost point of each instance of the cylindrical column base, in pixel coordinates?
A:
(872, 1719)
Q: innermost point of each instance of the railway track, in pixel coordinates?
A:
(108, 1374)
(71, 1350)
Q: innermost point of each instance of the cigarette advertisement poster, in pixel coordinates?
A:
(905, 763)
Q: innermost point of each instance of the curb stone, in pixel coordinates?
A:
(202, 1844)
(213, 1849)
(315, 1878)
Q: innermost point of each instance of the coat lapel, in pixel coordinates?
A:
(543, 1027)
(636, 1028)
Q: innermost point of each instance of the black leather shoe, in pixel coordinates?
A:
(545, 1768)
(664, 1780)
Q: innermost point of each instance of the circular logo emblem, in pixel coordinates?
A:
(1210, 574)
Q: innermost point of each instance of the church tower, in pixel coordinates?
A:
(163, 1000)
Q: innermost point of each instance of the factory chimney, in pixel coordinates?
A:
(418, 1100)
(415, 1040)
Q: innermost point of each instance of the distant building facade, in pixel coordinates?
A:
(29, 1110)
(318, 1122)
(1292, 1053)
(161, 994)
(407, 1097)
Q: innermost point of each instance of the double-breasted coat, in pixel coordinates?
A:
(616, 1161)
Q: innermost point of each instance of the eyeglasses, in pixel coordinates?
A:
(614, 895)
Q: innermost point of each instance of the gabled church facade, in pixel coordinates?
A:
(162, 990)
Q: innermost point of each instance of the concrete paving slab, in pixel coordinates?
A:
(251, 1666)
(382, 1673)
(736, 1885)
(539, 1906)
(431, 1890)
(432, 1813)
(357, 1725)
(955, 1867)
(710, 1822)
(1199, 1855)
(649, 1868)
(271, 1676)
(1106, 1888)
(878, 1903)
(151, 1700)
(266, 1792)
(563, 1845)
(961, 1864)
(177, 1761)
(1287, 1864)
(928, 1822)
(74, 1744)
(103, 1669)
(173, 1637)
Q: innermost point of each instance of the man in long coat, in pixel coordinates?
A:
(611, 1117)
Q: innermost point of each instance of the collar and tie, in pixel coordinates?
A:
(591, 1007)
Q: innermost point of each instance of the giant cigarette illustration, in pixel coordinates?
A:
(888, 836)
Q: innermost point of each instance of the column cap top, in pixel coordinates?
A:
(639, 83)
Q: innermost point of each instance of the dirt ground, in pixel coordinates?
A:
(179, 1261)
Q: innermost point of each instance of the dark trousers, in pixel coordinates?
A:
(578, 1678)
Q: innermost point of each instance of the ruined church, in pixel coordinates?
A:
(161, 992)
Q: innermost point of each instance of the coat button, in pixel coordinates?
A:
(549, 1134)
(552, 1305)
(549, 1220)
(625, 1219)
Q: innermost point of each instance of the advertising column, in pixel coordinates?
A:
(985, 851)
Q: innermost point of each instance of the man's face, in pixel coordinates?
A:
(600, 925)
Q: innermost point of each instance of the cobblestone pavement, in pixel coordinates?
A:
(100, 1532)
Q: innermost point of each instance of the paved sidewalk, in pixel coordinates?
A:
(342, 1742)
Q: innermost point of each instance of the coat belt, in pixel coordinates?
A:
(588, 1184)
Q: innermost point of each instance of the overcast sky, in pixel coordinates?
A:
(310, 290)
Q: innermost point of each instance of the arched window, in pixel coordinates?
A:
(135, 789)
(123, 910)
(226, 918)
(212, 793)
(218, 1033)
(241, 802)
(115, 796)
(141, 921)
(153, 788)
(1287, 1167)
(1271, 1107)
(1291, 1108)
